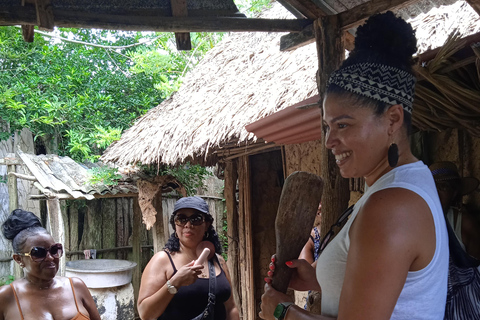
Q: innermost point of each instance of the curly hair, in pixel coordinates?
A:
(19, 226)
(173, 243)
(383, 39)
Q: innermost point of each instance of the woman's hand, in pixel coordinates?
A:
(186, 275)
(270, 299)
(303, 276)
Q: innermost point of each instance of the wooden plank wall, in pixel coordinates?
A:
(266, 187)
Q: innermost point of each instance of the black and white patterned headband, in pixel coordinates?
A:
(377, 81)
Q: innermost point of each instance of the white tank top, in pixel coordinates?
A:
(424, 294)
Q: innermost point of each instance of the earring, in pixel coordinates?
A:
(175, 234)
(393, 155)
(207, 234)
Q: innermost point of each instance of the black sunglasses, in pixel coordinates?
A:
(38, 254)
(329, 236)
(195, 219)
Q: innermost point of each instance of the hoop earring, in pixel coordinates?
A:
(393, 155)
(207, 234)
(175, 234)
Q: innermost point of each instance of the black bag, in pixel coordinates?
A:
(209, 311)
(463, 295)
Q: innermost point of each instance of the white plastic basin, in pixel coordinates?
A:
(101, 273)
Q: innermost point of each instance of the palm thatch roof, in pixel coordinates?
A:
(243, 79)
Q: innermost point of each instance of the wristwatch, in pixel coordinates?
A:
(281, 310)
(171, 288)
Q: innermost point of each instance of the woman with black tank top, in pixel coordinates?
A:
(41, 294)
(172, 287)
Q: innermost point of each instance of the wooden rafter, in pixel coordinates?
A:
(179, 9)
(44, 10)
(136, 22)
(293, 41)
(475, 4)
(307, 8)
(347, 20)
(355, 16)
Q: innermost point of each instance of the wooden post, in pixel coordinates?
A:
(137, 250)
(331, 53)
(229, 193)
(56, 227)
(10, 161)
(158, 229)
(245, 240)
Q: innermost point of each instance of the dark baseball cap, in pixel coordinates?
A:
(194, 202)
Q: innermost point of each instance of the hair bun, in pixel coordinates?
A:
(387, 37)
(18, 221)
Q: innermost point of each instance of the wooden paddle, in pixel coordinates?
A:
(301, 195)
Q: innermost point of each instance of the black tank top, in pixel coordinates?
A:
(191, 300)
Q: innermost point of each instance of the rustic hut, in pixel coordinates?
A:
(204, 122)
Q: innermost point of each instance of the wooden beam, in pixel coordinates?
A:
(11, 183)
(331, 53)
(28, 33)
(293, 41)
(56, 227)
(44, 15)
(475, 4)
(233, 262)
(306, 8)
(23, 176)
(179, 9)
(357, 15)
(132, 22)
(347, 20)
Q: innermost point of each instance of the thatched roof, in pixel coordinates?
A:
(241, 80)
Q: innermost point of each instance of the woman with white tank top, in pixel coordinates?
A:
(390, 260)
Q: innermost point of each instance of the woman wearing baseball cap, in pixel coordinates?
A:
(173, 286)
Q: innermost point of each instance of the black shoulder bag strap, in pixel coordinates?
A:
(209, 311)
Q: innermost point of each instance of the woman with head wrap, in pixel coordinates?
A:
(390, 260)
(40, 294)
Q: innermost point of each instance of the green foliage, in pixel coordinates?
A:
(190, 176)
(6, 280)
(84, 95)
(3, 179)
(103, 176)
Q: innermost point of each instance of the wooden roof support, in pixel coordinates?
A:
(66, 19)
(475, 4)
(306, 8)
(293, 41)
(347, 20)
(45, 19)
(179, 9)
(331, 53)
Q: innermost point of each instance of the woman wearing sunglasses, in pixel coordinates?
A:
(40, 294)
(390, 260)
(173, 286)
